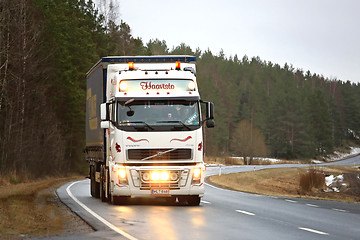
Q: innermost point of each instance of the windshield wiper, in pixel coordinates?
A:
(175, 122)
(139, 122)
(158, 154)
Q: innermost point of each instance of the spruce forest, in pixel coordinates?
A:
(261, 108)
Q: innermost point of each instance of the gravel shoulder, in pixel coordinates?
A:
(32, 210)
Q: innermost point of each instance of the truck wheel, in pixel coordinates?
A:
(193, 200)
(96, 168)
(102, 184)
(108, 187)
(94, 186)
(92, 180)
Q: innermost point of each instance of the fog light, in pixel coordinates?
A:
(164, 176)
(155, 176)
(173, 176)
(146, 176)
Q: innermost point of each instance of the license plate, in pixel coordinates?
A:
(160, 191)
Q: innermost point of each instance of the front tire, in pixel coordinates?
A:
(190, 200)
(94, 186)
(103, 184)
(194, 200)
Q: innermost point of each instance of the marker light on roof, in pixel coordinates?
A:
(123, 86)
(131, 66)
(191, 85)
(177, 66)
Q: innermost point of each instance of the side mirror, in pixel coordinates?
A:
(209, 110)
(104, 115)
(104, 112)
(210, 123)
(105, 124)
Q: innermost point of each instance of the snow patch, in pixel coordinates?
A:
(316, 161)
(339, 156)
(329, 180)
(335, 183)
(353, 133)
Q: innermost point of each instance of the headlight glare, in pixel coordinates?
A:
(155, 176)
(122, 173)
(197, 173)
(164, 176)
(123, 86)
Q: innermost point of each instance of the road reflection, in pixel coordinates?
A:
(197, 217)
(160, 219)
(161, 223)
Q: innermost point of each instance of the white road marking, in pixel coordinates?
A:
(206, 202)
(292, 201)
(339, 210)
(311, 205)
(216, 187)
(113, 227)
(245, 212)
(313, 231)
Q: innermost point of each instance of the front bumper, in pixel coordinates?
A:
(135, 186)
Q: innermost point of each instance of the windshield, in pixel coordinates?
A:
(163, 115)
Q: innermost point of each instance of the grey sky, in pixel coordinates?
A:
(322, 36)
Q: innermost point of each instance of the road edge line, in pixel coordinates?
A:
(101, 219)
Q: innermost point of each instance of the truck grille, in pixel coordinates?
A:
(159, 154)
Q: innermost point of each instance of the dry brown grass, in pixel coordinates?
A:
(32, 209)
(313, 178)
(286, 182)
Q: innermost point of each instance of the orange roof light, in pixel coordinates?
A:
(177, 66)
(131, 66)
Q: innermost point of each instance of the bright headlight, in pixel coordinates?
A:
(191, 85)
(164, 176)
(197, 173)
(122, 173)
(155, 176)
(123, 86)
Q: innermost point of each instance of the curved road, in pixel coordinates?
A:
(222, 214)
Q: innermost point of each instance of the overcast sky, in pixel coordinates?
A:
(322, 36)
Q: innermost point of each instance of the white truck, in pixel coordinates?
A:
(144, 129)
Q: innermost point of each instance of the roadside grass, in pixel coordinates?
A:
(32, 209)
(294, 182)
(311, 179)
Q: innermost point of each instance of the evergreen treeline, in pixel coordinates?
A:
(47, 46)
(263, 109)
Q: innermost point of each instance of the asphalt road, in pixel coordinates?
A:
(222, 214)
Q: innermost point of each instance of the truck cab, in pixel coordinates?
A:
(150, 129)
